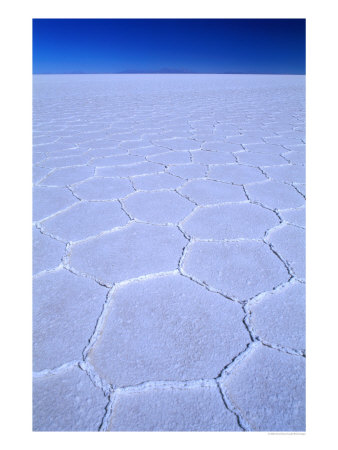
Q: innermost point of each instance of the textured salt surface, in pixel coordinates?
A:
(168, 237)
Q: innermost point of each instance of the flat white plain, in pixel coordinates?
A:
(164, 208)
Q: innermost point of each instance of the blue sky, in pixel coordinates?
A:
(169, 45)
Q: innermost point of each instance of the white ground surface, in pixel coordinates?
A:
(169, 252)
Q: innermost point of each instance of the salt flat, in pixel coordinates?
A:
(169, 252)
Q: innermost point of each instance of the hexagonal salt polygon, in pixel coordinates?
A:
(235, 173)
(268, 389)
(210, 157)
(289, 242)
(279, 318)
(188, 171)
(67, 401)
(138, 249)
(156, 181)
(129, 170)
(47, 252)
(260, 159)
(67, 176)
(289, 173)
(65, 310)
(86, 219)
(232, 221)
(50, 200)
(158, 207)
(99, 188)
(167, 328)
(275, 195)
(172, 409)
(171, 158)
(240, 270)
(208, 192)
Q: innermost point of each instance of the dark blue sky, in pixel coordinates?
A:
(169, 45)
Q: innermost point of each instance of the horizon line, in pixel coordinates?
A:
(167, 73)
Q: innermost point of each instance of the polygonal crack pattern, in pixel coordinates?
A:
(137, 250)
(240, 269)
(168, 328)
(277, 380)
(164, 409)
(159, 207)
(289, 242)
(168, 253)
(230, 221)
(279, 317)
(64, 314)
(67, 402)
(85, 219)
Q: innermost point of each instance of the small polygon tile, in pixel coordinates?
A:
(207, 192)
(65, 161)
(65, 310)
(156, 181)
(178, 144)
(67, 401)
(260, 159)
(116, 160)
(253, 132)
(47, 252)
(239, 270)
(221, 126)
(99, 188)
(129, 170)
(133, 144)
(138, 249)
(295, 157)
(268, 389)
(289, 242)
(103, 144)
(294, 216)
(235, 173)
(66, 153)
(103, 152)
(201, 136)
(271, 149)
(232, 221)
(275, 195)
(55, 147)
(172, 409)
(289, 173)
(221, 146)
(282, 140)
(147, 151)
(50, 200)
(296, 148)
(167, 328)
(86, 219)
(120, 136)
(244, 139)
(188, 171)
(158, 207)
(209, 157)
(292, 134)
(68, 176)
(171, 158)
(279, 318)
(225, 133)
